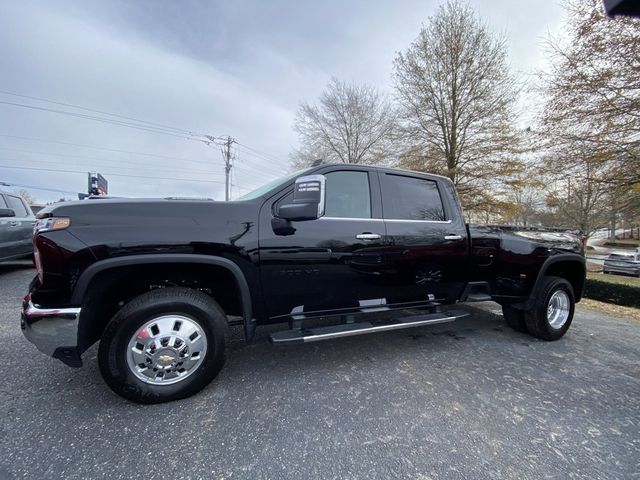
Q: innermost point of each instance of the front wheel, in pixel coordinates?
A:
(552, 313)
(163, 345)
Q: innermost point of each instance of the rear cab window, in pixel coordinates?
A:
(411, 198)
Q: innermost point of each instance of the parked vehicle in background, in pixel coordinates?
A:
(35, 208)
(16, 227)
(625, 263)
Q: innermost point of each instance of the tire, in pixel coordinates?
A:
(164, 345)
(543, 323)
(514, 318)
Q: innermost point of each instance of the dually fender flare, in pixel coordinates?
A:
(563, 257)
(87, 276)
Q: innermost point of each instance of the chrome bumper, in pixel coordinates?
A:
(54, 331)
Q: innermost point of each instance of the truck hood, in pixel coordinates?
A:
(146, 212)
(115, 227)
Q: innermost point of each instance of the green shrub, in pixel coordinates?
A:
(618, 294)
(631, 246)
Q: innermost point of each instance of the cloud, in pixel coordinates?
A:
(237, 68)
(86, 64)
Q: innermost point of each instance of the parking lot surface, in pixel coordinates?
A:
(471, 399)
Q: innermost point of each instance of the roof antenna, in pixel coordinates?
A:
(317, 162)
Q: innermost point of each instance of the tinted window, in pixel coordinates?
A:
(16, 205)
(347, 195)
(3, 204)
(410, 198)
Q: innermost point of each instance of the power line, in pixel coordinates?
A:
(144, 125)
(80, 107)
(259, 164)
(109, 162)
(16, 167)
(100, 119)
(246, 172)
(265, 155)
(104, 148)
(141, 124)
(34, 187)
(146, 154)
(261, 157)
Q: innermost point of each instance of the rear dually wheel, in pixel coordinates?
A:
(552, 313)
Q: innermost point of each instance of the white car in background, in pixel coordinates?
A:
(626, 263)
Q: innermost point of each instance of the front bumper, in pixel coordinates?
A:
(54, 331)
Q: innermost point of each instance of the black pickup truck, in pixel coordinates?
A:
(334, 251)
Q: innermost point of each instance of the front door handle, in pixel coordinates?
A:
(368, 236)
(14, 224)
(453, 237)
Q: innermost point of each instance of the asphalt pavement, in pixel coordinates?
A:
(471, 399)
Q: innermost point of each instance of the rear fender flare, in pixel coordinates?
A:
(564, 257)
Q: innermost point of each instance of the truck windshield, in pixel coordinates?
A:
(271, 185)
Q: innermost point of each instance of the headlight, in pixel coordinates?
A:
(51, 223)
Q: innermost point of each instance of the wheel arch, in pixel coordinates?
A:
(99, 269)
(569, 266)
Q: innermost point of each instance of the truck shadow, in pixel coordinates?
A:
(364, 359)
(483, 330)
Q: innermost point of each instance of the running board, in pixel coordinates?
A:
(308, 335)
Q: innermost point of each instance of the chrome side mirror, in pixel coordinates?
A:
(308, 200)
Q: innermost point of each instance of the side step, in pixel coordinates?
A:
(307, 335)
(478, 297)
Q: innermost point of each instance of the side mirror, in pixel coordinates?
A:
(308, 200)
(7, 212)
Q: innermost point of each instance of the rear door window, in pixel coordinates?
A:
(411, 198)
(3, 204)
(15, 204)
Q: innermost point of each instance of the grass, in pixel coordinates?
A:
(617, 294)
(630, 244)
(611, 309)
(617, 279)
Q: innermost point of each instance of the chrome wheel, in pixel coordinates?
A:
(558, 309)
(166, 350)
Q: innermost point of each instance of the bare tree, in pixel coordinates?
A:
(457, 103)
(26, 196)
(350, 124)
(577, 197)
(590, 123)
(524, 197)
(593, 89)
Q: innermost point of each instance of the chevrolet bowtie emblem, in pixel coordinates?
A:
(165, 358)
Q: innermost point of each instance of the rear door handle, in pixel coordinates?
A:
(14, 224)
(368, 236)
(453, 237)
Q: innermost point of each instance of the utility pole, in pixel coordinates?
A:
(226, 155)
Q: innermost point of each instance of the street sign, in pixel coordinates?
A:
(98, 185)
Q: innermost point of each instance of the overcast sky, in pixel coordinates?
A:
(236, 68)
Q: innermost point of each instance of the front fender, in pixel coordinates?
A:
(87, 276)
